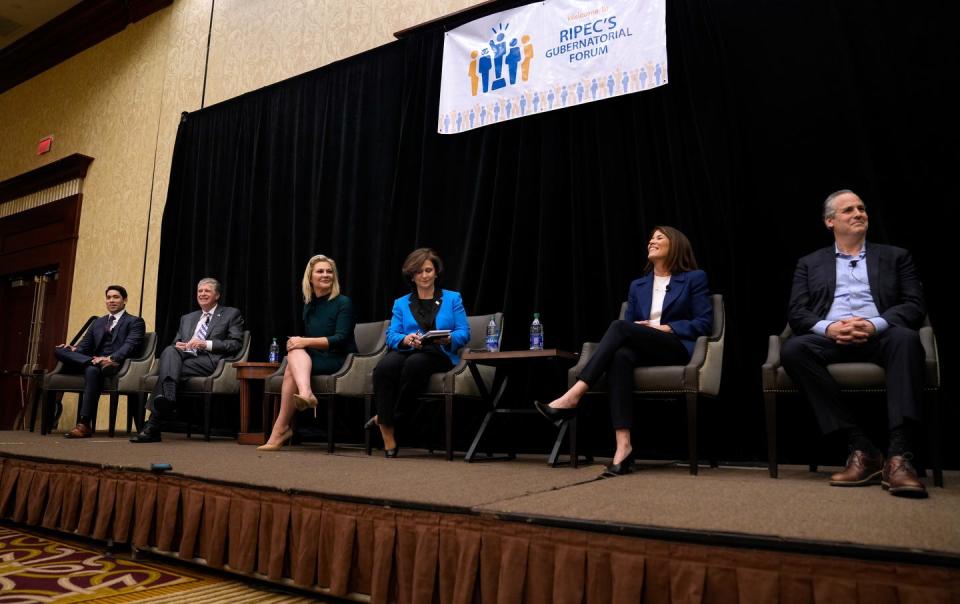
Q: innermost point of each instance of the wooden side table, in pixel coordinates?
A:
(505, 362)
(251, 375)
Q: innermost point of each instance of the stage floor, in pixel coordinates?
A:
(724, 505)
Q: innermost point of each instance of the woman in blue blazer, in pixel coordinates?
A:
(410, 361)
(668, 308)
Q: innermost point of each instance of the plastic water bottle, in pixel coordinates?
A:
(274, 355)
(536, 333)
(493, 335)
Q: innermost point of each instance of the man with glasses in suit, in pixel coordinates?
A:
(856, 301)
(204, 337)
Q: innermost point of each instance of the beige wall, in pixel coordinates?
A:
(119, 102)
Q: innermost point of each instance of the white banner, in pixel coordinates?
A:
(550, 55)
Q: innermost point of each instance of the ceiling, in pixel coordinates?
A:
(20, 17)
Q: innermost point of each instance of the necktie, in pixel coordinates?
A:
(204, 326)
(110, 323)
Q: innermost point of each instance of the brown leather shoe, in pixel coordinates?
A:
(900, 478)
(862, 469)
(79, 431)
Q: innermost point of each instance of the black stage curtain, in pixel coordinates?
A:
(770, 107)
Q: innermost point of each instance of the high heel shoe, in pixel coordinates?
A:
(391, 453)
(303, 402)
(556, 415)
(371, 423)
(624, 467)
(285, 436)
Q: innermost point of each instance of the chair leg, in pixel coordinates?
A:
(933, 427)
(448, 404)
(46, 408)
(206, 415)
(141, 410)
(114, 402)
(367, 410)
(770, 405)
(692, 431)
(330, 405)
(572, 432)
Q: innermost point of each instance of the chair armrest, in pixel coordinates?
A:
(279, 371)
(691, 371)
(132, 372)
(56, 370)
(355, 377)
(770, 366)
(586, 351)
(931, 355)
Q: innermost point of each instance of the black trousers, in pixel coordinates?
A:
(175, 365)
(77, 362)
(624, 347)
(399, 374)
(898, 350)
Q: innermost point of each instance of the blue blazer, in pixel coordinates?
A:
(125, 337)
(451, 316)
(687, 307)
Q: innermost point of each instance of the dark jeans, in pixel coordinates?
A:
(399, 374)
(624, 347)
(898, 350)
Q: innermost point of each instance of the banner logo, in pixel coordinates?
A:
(550, 55)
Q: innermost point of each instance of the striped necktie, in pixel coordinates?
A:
(204, 326)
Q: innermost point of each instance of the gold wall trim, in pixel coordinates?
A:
(42, 197)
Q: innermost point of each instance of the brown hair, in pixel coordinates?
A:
(680, 257)
(415, 260)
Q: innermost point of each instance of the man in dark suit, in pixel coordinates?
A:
(107, 343)
(204, 337)
(859, 301)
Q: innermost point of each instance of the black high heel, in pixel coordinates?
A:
(624, 467)
(554, 414)
(371, 423)
(391, 453)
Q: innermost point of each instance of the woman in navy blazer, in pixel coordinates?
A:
(410, 361)
(668, 308)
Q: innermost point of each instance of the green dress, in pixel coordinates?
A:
(334, 320)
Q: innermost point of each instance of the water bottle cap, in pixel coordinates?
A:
(536, 315)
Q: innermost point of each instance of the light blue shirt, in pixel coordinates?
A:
(852, 296)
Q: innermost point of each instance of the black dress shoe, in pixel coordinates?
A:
(149, 434)
(554, 414)
(619, 469)
(391, 453)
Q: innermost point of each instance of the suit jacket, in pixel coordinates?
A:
(894, 286)
(687, 307)
(125, 337)
(451, 316)
(225, 330)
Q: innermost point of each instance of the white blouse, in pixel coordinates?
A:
(660, 285)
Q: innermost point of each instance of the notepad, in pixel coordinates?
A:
(435, 334)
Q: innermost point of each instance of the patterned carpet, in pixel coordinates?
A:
(34, 568)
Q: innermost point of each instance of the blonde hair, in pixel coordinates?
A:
(308, 287)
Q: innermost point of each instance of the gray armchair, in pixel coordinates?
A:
(459, 382)
(852, 377)
(699, 377)
(223, 381)
(123, 382)
(353, 379)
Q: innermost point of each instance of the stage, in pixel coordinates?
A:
(418, 526)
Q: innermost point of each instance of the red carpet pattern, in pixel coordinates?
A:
(38, 569)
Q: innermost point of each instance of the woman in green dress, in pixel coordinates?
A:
(328, 321)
